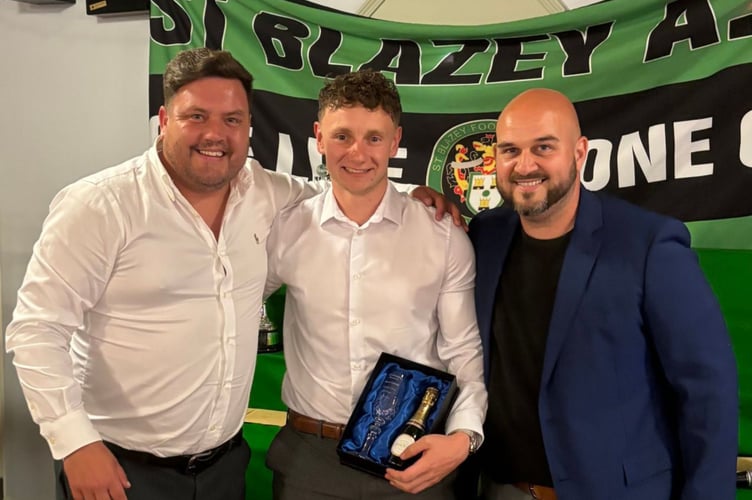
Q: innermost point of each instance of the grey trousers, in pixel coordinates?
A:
(307, 467)
(223, 480)
(496, 491)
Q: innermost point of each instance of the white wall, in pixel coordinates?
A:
(73, 100)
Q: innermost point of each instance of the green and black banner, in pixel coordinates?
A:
(663, 90)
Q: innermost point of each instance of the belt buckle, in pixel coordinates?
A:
(194, 460)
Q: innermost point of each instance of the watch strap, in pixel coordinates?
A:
(475, 439)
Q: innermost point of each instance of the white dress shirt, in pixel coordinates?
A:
(401, 283)
(133, 323)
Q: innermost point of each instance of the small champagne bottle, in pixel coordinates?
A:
(414, 429)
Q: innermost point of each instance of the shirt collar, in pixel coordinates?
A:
(390, 208)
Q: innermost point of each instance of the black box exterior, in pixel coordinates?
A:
(99, 7)
(354, 436)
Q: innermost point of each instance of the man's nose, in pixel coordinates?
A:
(357, 150)
(525, 163)
(214, 128)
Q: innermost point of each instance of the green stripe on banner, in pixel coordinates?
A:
(613, 48)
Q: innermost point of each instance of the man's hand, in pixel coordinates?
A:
(441, 455)
(431, 198)
(94, 473)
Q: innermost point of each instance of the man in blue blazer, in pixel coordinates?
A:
(609, 369)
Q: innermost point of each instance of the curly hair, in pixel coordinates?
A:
(193, 64)
(367, 88)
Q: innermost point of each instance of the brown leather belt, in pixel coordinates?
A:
(537, 491)
(310, 425)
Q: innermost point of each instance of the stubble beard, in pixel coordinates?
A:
(553, 196)
(188, 173)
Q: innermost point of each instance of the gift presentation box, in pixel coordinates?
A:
(374, 408)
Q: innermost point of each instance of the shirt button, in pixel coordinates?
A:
(359, 232)
(213, 428)
(357, 276)
(355, 322)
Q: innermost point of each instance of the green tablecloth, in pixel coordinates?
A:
(258, 479)
(730, 273)
(265, 394)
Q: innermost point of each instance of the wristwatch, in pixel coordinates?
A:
(475, 439)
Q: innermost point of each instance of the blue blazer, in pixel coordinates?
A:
(638, 396)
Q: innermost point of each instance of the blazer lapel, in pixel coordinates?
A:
(575, 273)
(491, 247)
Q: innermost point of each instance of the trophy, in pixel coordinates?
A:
(383, 409)
(269, 336)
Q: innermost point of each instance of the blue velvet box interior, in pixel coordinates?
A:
(416, 378)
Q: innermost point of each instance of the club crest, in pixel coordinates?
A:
(463, 166)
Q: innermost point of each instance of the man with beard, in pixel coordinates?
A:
(610, 373)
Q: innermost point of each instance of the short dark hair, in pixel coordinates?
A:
(367, 88)
(193, 64)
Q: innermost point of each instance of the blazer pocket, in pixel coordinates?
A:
(645, 464)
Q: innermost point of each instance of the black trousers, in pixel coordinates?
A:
(223, 480)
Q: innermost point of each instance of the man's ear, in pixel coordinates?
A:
(580, 152)
(319, 137)
(162, 119)
(395, 144)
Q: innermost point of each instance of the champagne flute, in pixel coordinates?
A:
(383, 409)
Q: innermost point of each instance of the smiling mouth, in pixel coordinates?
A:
(355, 170)
(212, 154)
(529, 182)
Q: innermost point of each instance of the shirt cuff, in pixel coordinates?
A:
(465, 419)
(68, 433)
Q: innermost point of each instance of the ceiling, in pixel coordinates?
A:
(452, 12)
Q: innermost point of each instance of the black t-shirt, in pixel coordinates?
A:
(513, 447)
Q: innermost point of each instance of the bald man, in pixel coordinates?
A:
(609, 370)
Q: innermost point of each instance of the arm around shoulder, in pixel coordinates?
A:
(284, 189)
